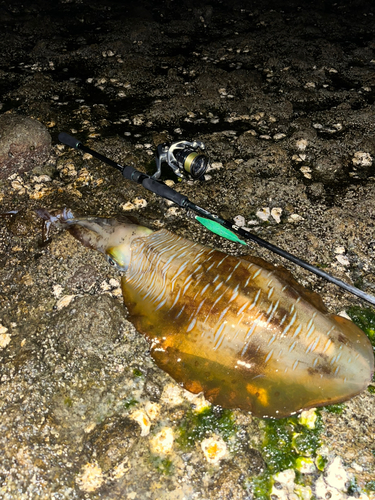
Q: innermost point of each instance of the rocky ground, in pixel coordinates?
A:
(282, 94)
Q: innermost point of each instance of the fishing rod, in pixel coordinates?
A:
(189, 157)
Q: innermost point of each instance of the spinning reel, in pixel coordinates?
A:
(185, 158)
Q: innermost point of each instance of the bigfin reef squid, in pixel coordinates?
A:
(241, 331)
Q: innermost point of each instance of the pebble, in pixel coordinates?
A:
(137, 203)
(140, 203)
(339, 250)
(128, 206)
(216, 165)
(283, 487)
(295, 218)
(279, 136)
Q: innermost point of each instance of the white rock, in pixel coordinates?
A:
(142, 419)
(279, 136)
(139, 203)
(4, 339)
(336, 475)
(324, 491)
(306, 172)
(128, 206)
(301, 144)
(263, 214)
(216, 165)
(344, 315)
(276, 214)
(3, 329)
(162, 443)
(91, 478)
(239, 220)
(64, 301)
(152, 409)
(57, 290)
(308, 418)
(295, 218)
(172, 395)
(286, 478)
(343, 260)
(339, 250)
(362, 159)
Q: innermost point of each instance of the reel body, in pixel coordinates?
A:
(185, 159)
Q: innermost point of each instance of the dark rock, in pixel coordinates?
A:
(90, 326)
(84, 278)
(24, 143)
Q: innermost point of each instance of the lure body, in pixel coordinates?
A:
(237, 329)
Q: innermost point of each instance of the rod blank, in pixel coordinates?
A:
(165, 191)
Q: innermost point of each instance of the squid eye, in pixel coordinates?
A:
(115, 256)
(111, 261)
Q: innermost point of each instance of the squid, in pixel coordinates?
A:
(237, 329)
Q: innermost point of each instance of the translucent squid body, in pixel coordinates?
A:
(239, 330)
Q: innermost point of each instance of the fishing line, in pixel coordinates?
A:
(215, 224)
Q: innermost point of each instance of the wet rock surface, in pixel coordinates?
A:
(24, 143)
(283, 97)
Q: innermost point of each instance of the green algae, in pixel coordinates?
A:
(365, 319)
(196, 426)
(162, 465)
(68, 402)
(130, 402)
(287, 444)
(336, 409)
(321, 462)
(286, 440)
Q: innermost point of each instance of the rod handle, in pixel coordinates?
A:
(68, 140)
